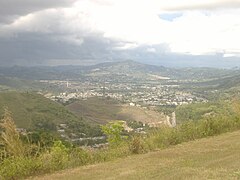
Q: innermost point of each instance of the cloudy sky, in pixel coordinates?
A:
(171, 33)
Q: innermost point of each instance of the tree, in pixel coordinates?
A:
(113, 131)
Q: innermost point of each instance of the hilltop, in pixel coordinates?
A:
(209, 158)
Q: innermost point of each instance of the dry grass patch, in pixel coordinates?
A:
(208, 158)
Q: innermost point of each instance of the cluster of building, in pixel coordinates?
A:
(136, 93)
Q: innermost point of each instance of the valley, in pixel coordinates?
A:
(63, 111)
(73, 99)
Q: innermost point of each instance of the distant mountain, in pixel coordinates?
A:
(129, 66)
(226, 82)
(132, 67)
(76, 72)
(119, 70)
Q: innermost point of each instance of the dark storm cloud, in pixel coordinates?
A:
(38, 49)
(48, 36)
(31, 49)
(11, 9)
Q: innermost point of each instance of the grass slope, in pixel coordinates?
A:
(210, 158)
(102, 111)
(29, 107)
(95, 109)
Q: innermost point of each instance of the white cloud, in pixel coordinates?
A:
(196, 32)
(205, 27)
(151, 50)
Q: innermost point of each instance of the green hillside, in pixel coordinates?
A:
(33, 111)
(210, 158)
(17, 84)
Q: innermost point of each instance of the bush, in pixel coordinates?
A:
(10, 138)
(79, 157)
(56, 158)
(136, 145)
(18, 167)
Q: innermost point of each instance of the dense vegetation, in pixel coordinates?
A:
(199, 111)
(31, 158)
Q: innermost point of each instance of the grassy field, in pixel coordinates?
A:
(210, 158)
(101, 111)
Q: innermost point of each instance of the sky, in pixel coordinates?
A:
(71, 32)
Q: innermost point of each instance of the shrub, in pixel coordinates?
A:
(56, 158)
(136, 145)
(79, 156)
(18, 167)
(10, 138)
(189, 131)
